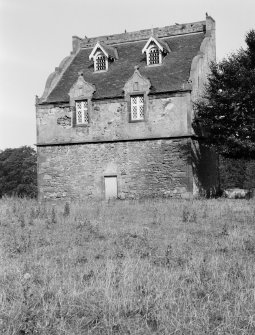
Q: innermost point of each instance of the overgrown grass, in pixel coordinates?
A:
(153, 267)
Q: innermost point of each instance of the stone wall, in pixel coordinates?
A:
(177, 29)
(153, 158)
(109, 120)
(200, 67)
(151, 168)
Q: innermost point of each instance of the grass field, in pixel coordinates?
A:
(152, 267)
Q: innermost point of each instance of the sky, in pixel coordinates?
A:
(35, 35)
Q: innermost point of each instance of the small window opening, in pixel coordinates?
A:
(100, 62)
(82, 115)
(135, 86)
(137, 107)
(154, 56)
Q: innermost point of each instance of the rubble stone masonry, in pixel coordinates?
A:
(149, 168)
(156, 156)
(109, 121)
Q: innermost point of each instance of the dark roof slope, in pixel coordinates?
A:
(167, 77)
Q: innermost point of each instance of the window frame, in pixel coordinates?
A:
(83, 124)
(129, 105)
(148, 51)
(95, 58)
(137, 105)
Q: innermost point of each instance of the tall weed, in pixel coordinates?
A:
(147, 267)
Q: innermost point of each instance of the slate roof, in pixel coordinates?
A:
(112, 52)
(167, 77)
(163, 44)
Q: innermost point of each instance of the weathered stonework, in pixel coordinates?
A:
(109, 121)
(156, 156)
(64, 121)
(143, 169)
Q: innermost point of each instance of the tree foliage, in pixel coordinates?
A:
(226, 111)
(18, 172)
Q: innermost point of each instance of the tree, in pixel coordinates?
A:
(226, 111)
(18, 172)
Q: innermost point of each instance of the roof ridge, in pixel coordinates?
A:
(177, 29)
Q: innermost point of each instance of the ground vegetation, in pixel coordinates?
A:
(127, 267)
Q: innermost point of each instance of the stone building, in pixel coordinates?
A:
(115, 119)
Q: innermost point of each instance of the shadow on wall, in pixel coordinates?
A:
(204, 163)
(205, 167)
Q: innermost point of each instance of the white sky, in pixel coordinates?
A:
(35, 35)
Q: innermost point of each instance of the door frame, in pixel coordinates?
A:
(117, 184)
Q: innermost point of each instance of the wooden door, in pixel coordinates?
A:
(110, 187)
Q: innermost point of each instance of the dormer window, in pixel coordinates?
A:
(102, 55)
(155, 49)
(154, 56)
(101, 63)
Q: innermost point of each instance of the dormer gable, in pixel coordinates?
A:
(80, 101)
(102, 54)
(155, 49)
(81, 90)
(136, 91)
(137, 83)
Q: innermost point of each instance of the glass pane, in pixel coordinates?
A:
(100, 62)
(78, 105)
(82, 116)
(86, 117)
(133, 100)
(84, 104)
(141, 112)
(79, 116)
(154, 56)
(134, 113)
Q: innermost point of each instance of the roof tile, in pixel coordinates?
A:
(169, 76)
